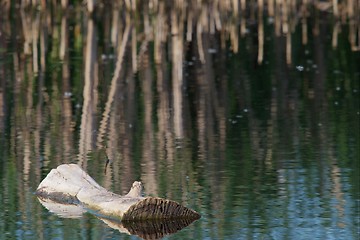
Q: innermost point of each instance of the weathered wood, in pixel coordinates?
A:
(151, 229)
(69, 184)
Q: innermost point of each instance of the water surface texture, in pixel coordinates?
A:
(247, 112)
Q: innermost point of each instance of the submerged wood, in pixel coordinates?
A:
(152, 229)
(69, 184)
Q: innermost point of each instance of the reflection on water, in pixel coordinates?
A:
(247, 113)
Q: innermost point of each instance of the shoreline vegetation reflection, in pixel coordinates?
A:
(246, 111)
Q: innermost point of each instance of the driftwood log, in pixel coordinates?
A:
(71, 185)
(148, 229)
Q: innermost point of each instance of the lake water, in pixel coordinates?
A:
(250, 118)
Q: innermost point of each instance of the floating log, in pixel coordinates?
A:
(151, 229)
(69, 184)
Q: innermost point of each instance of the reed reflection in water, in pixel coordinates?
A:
(246, 112)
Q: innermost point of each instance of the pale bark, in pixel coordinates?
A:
(69, 184)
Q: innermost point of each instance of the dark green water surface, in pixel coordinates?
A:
(263, 147)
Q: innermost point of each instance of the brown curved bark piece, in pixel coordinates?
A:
(158, 208)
